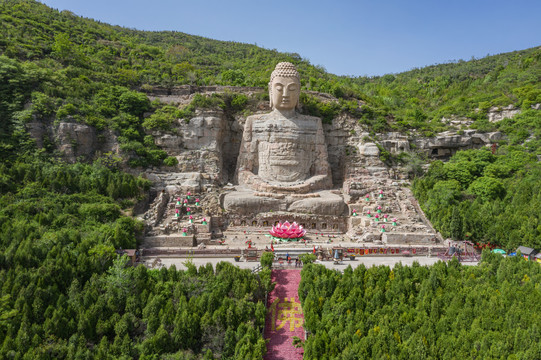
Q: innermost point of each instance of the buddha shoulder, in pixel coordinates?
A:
(271, 116)
(309, 118)
(256, 117)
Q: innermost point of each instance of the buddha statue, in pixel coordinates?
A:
(283, 162)
(284, 151)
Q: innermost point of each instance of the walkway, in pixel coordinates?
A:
(284, 318)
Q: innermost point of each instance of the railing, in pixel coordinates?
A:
(192, 252)
(283, 263)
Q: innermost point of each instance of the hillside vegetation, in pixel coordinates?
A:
(73, 59)
(491, 199)
(418, 99)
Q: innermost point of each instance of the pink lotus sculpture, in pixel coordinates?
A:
(287, 231)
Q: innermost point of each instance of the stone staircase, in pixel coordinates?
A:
(398, 203)
(285, 318)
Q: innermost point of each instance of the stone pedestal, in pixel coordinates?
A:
(245, 202)
(200, 228)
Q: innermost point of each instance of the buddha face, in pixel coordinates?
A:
(284, 93)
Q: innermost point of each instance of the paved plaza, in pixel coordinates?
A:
(368, 261)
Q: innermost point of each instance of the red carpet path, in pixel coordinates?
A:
(284, 318)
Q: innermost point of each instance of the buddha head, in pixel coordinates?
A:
(284, 87)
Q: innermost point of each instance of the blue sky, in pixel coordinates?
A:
(345, 37)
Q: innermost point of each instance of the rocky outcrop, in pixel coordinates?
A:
(394, 142)
(443, 145)
(448, 143)
(496, 114)
(38, 131)
(172, 144)
(457, 121)
(338, 135)
(75, 140)
(157, 209)
(174, 182)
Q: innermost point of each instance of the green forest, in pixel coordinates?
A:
(445, 311)
(66, 294)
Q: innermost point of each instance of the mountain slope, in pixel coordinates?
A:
(421, 97)
(33, 31)
(79, 56)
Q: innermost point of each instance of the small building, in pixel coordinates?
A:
(538, 257)
(527, 253)
(133, 254)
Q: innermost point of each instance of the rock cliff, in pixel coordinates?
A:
(207, 146)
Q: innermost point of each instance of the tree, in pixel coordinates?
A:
(102, 254)
(455, 225)
(63, 47)
(487, 188)
(307, 258)
(134, 103)
(234, 77)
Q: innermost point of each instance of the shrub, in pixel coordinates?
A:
(266, 259)
(65, 110)
(162, 119)
(170, 161)
(239, 102)
(307, 258)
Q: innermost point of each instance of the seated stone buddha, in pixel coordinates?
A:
(283, 162)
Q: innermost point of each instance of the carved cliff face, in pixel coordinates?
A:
(284, 93)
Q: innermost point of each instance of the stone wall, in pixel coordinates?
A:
(407, 239)
(170, 241)
(183, 94)
(327, 224)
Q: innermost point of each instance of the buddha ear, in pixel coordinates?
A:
(270, 95)
(298, 106)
